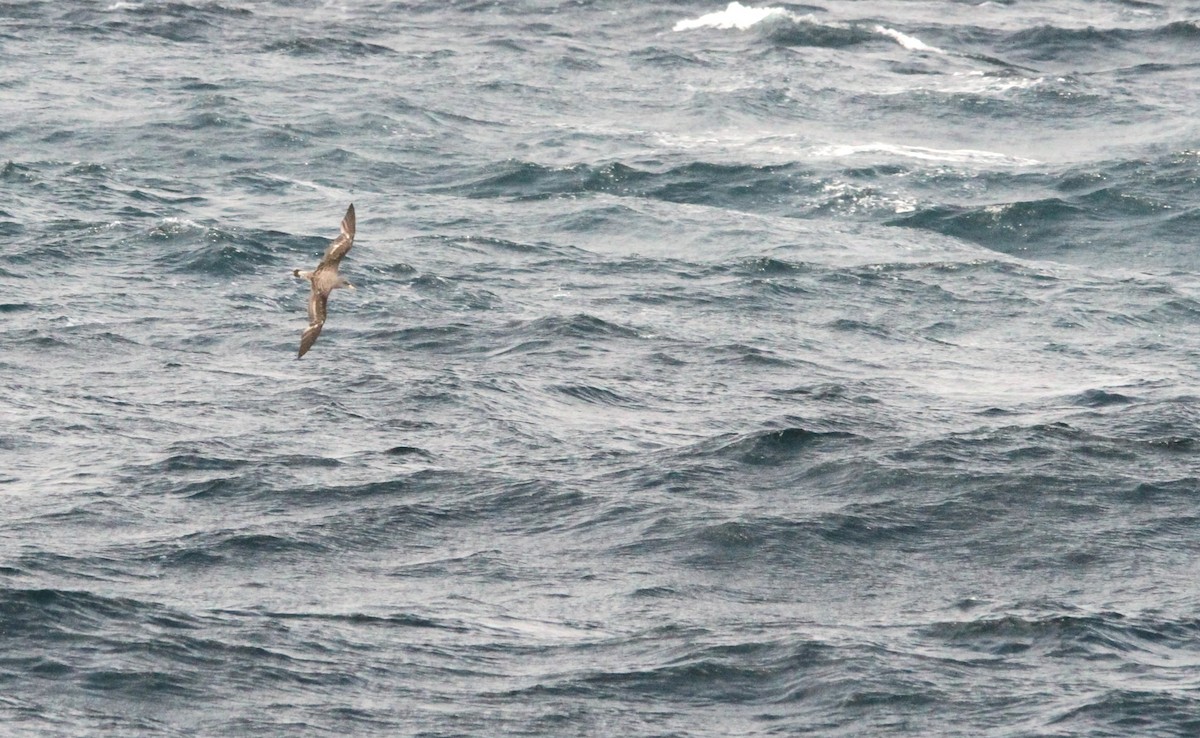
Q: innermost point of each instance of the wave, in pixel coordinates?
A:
(1045, 43)
(1009, 228)
(1048, 42)
(909, 42)
(579, 325)
(735, 15)
(1060, 628)
(968, 157)
(35, 611)
(14, 172)
(1077, 207)
(696, 183)
(772, 446)
(312, 46)
(789, 29)
(192, 247)
(593, 395)
(1146, 711)
(740, 353)
(1097, 398)
(177, 9)
(745, 673)
(975, 84)
(800, 187)
(448, 337)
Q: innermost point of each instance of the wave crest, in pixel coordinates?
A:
(735, 15)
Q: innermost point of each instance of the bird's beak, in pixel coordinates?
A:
(351, 286)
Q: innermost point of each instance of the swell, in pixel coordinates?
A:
(178, 22)
(1033, 211)
(318, 46)
(1049, 42)
(746, 672)
(123, 649)
(185, 246)
(1059, 213)
(1068, 632)
(693, 183)
(802, 32)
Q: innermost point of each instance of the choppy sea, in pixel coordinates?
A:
(713, 369)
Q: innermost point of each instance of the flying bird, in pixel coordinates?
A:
(325, 279)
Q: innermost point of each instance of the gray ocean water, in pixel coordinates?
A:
(713, 370)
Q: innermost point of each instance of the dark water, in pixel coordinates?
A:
(833, 375)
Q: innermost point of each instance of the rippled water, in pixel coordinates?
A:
(713, 370)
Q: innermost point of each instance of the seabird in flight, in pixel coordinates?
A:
(325, 279)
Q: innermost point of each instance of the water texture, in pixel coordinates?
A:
(713, 369)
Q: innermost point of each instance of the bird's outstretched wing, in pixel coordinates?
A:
(316, 321)
(317, 303)
(341, 245)
(309, 337)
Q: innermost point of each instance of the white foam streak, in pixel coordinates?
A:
(909, 42)
(981, 83)
(743, 17)
(950, 156)
(735, 15)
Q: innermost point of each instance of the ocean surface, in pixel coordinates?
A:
(713, 369)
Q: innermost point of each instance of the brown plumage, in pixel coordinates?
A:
(325, 279)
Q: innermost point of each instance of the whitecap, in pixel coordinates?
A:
(967, 83)
(735, 15)
(909, 42)
(950, 156)
(173, 226)
(852, 199)
(982, 83)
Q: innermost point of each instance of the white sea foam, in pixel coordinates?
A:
(950, 156)
(172, 220)
(742, 17)
(966, 83)
(847, 198)
(909, 42)
(981, 83)
(735, 15)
